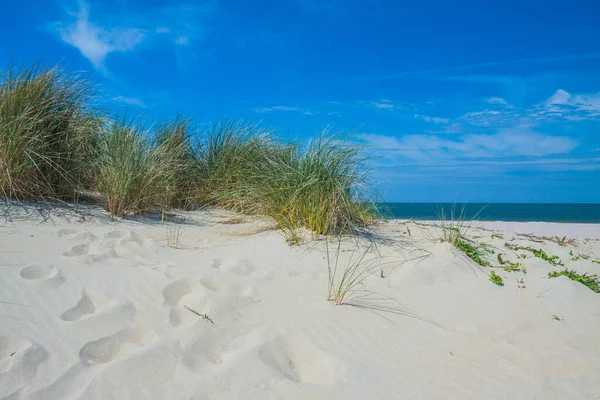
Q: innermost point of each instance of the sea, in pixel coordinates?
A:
(579, 213)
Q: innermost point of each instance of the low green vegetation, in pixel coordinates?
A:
(455, 228)
(553, 260)
(515, 267)
(455, 225)
(578, 257)
(556, 317)
(501, 260)
(497, 236)
(591, 281)
(510, 267)
(54, 145)
(473, 251)
(497, 279)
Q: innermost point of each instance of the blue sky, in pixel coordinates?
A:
(459, 101)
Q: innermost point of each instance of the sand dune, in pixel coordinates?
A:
(107, 309)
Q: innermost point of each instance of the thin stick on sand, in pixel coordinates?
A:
(205, 316)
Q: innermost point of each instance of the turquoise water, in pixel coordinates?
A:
(583, 213)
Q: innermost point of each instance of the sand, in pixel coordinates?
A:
(95, 308)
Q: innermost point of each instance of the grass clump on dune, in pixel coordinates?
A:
(591, 281)
(232, 160)
(322, 186)
(47, 133)
(345, 280)
(140, 169)
(177, 154)
(455, 228)
(131, 178)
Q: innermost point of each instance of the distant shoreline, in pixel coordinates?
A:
(499, 212)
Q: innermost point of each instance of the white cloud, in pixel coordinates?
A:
(572, 107)
(96, 42)
(559, 97)
(435, 120)
(132, 101)
(98, 35)
(262, 109)
(561, 106)
(497, 100)
(285, 108)
(280, 108)
(486, 118)
(385, 104)
(505, 143)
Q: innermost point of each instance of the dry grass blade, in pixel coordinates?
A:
(344, 281)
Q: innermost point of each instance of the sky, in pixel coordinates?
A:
(463, 101)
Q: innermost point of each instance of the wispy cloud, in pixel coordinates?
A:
(505, 143)
(99, 35)
(435, 120)
(574, 107)
(385, 104)
(282, 108)
(560, 106)
(96, 42)
(132, 101)
(497, 100)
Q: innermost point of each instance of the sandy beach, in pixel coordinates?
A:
(213, 306)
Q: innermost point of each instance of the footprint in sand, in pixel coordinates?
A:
(219, 345)
(235, 266)
(115, 235)
(36, 271)
(46, 275)
(174, 293)
(187, 290)
(211, 285)
(79, 250)
(19, 362)
(115, 346)
(136, 239)
(69, 233)
(300, 360)
(88, 305)
(11, 349)
(74, 234)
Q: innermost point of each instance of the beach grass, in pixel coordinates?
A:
(131, 178)
(177, 152)
(55, 144)
(455, 229)
(345, 280)
(47, 132)
(322, 186)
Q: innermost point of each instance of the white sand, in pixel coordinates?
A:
(100, 309)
